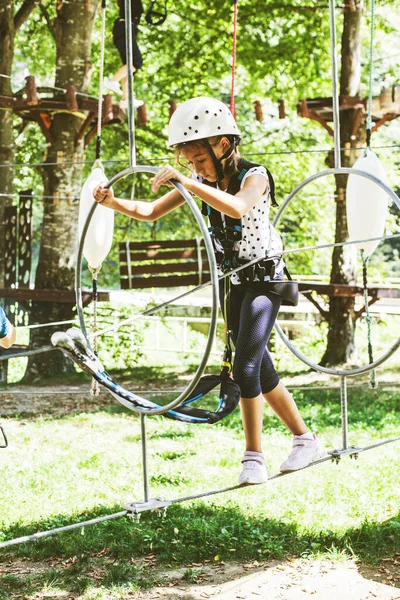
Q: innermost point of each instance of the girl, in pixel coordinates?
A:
(236, 195)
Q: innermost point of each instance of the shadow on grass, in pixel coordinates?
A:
(124, 553)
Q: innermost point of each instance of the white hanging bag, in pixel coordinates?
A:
(99, 236)
(366, 203)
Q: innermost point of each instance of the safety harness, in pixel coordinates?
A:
(226, 231)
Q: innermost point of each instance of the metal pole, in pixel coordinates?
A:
(335, 96)
(144, 457)
(343, 403)
(129, 75)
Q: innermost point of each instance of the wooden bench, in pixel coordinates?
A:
(163, 264)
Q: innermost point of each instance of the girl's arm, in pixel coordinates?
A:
(137, 209)
(235, 206)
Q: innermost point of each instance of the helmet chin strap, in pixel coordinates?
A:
(218, 161)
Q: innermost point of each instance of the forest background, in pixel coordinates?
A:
(283, 52)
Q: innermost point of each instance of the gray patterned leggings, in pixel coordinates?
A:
(252, 315)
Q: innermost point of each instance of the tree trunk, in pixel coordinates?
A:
(340, 344)
(62, 181)
(6, 137)
(6, 120)
(9, 25)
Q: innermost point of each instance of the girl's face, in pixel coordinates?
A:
(199, 159)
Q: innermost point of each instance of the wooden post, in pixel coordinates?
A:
(258, 110)
(30, 90)
(385, 97)
(281, 108)
(172, 107)
(142, 115)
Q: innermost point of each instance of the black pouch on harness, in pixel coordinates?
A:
(287, 290)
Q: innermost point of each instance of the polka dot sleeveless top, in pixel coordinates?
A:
(258, 234)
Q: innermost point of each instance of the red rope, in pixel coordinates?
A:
(232, 102)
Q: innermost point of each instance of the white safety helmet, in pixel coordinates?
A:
(200, 118)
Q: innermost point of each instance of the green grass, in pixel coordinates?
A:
(57, 471)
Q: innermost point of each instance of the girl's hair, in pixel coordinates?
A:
(230, 166)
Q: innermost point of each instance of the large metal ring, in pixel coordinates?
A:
(304, 359)
(214, 282)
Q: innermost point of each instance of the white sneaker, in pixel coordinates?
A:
(136, 103)
(306, 449)
(112, 86)
(254, 470)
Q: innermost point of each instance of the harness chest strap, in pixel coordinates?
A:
(234, 187)
(224, 228)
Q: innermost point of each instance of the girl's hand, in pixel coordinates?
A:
(164, 177)
(103, 196)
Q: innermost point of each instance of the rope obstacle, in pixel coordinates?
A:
(77, 345)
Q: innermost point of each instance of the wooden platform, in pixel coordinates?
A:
(40, 104)
(385, 107)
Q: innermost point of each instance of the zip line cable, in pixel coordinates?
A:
(292, 388)
(371, 51)
(168, 158)
(364, 258)
(95, 389)
(234, 39)
(17, 195)
(335, 88)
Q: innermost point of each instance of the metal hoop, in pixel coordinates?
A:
(214, 282)
(297, 353)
